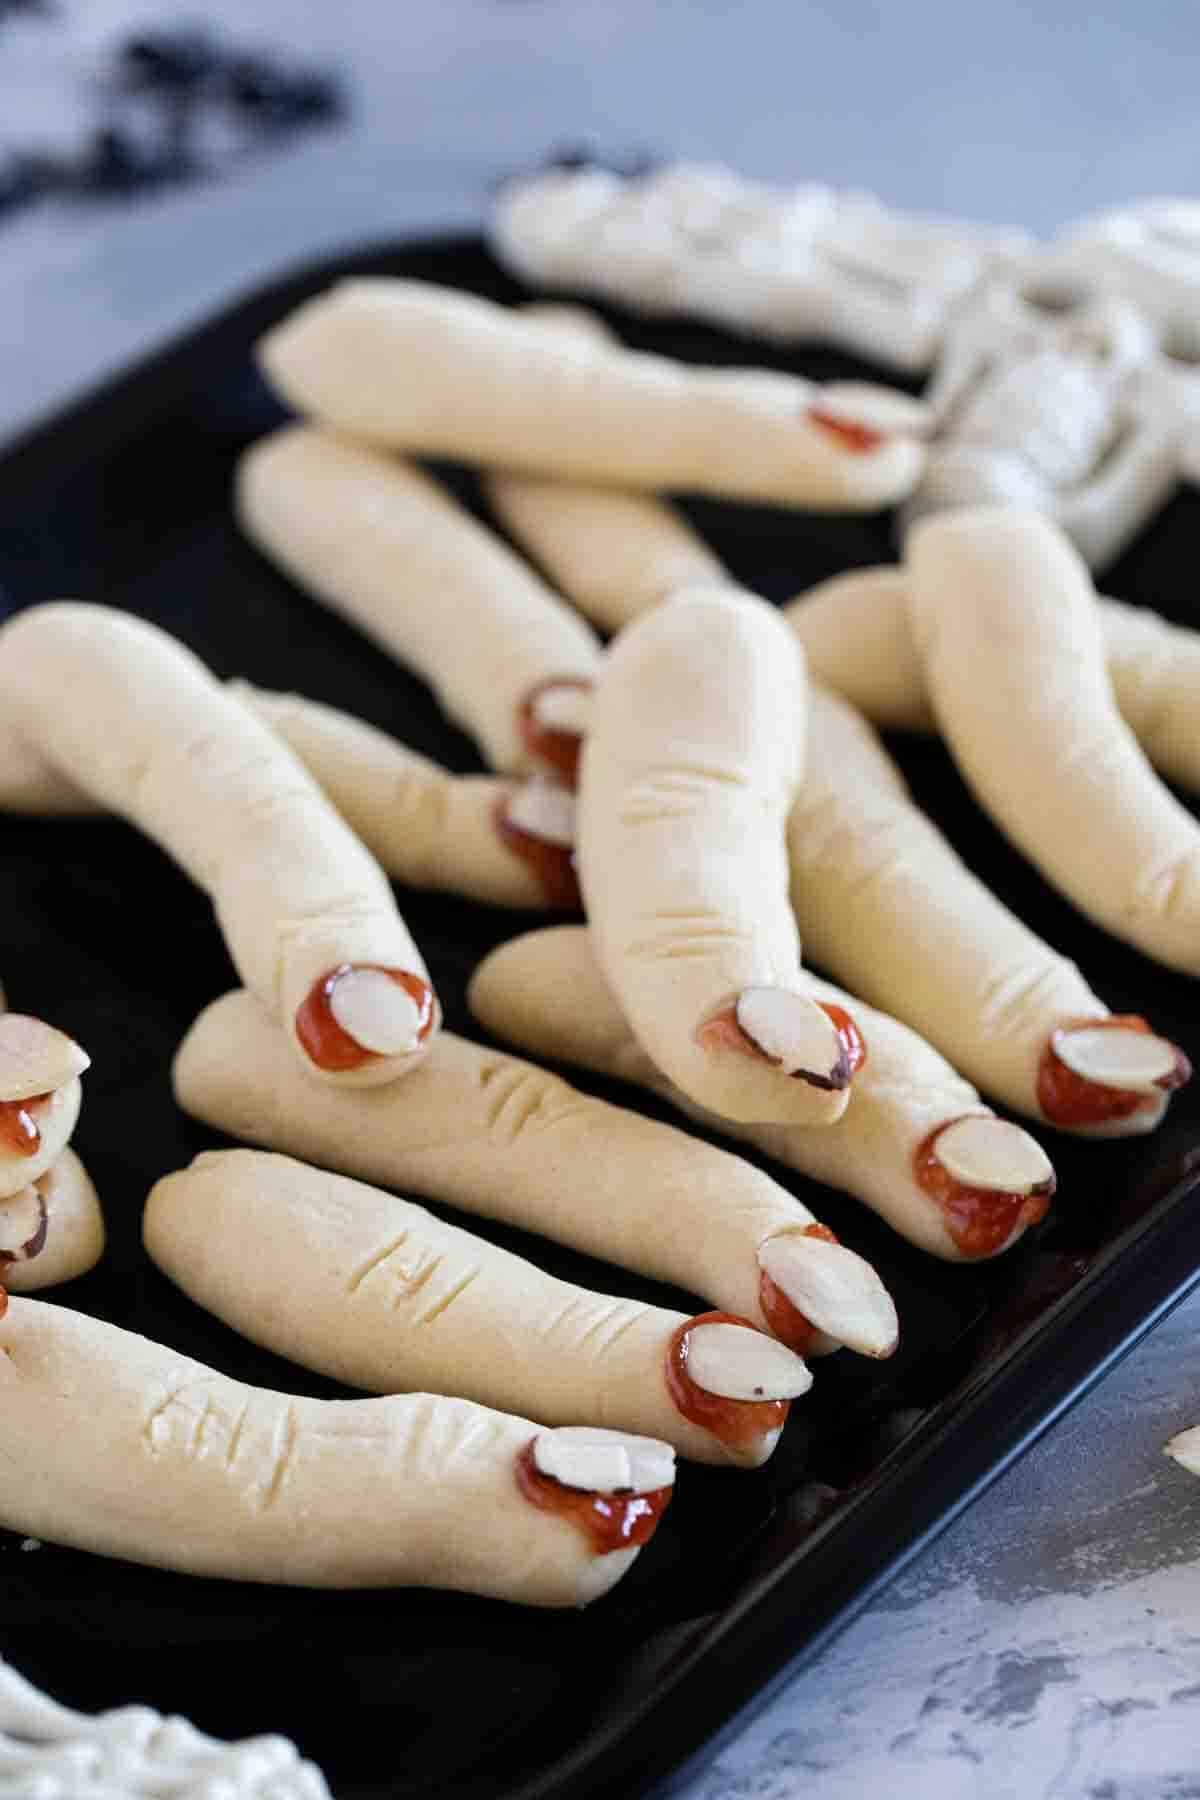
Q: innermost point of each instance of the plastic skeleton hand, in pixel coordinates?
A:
(785, 263)
(136, 1753)
(51, 1228)
(1074, 407)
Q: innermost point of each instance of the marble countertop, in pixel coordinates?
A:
(1048, 1646)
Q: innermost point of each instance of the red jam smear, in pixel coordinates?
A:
(557, 750)
(3, 1301)
(322, 1038)
(621, 1521)
(722, 1032)
(786, 1320)
(736, 1422)
(19, 1133)
(1071, 1100)
(851, 1039)
(860, 439)
(553, 865)
(980, 1220)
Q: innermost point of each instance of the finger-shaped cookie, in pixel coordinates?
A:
(380, 542)
(40, 1098)
(63, 1233)
(377, 1292)
(889, 909)
(1040, 740)
(690, 768)
(489, 839)
(121, 1446)
(503, 1139)
(613, 553)
(857, 636)
(51, 1227)
(916, 1144)
(307, 913)
(434, 371)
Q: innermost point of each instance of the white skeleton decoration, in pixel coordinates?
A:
(1148, 253)
(784, 263)
(48, 1752)
(1072, 401)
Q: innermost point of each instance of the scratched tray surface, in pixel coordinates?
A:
(125, 499)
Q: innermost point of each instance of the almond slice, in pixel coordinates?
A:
(566, 707)
(599, 1461)
(990, 1153)
(737, 1363)
(1136, 1062)
(35, 1058)
(545, 809)
(836, 1290)
(795, 1032)
(376, 1012)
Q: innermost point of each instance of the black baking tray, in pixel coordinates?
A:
(125, 499)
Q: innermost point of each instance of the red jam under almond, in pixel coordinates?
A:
(19, 1134)
(553, 865)
(322, 1038)
(980, 1220)
(557, 750)
(723, 1031)
(1071, 1100)
(850, 434)
(735, 1422)
(786, 1320)
(621, 1521)
(3, 1301)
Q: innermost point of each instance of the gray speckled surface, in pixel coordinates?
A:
(1049, 1644)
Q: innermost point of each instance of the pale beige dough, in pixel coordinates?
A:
(690, 768)
(124, 1447)
(614, 554)
(427, 827)
(364, 1286)
(857, 636)
(430, 370)
(1040, 740)
(124, 711)
(384, 545)
(888, 908)
(544, 992)
(503, 1139)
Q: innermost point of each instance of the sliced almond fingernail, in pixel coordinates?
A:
(835, 1289)
(1184, 1447)
(736, 1362)
(357, 1011)
(1135, 1062)
(599, 1461)
(35, 1058)
(563, 706)
(793, 1031)
(544, 809)
(376, 1013)
(23, 1225)
(552, 720)
(990, 1153)
(880, 409)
